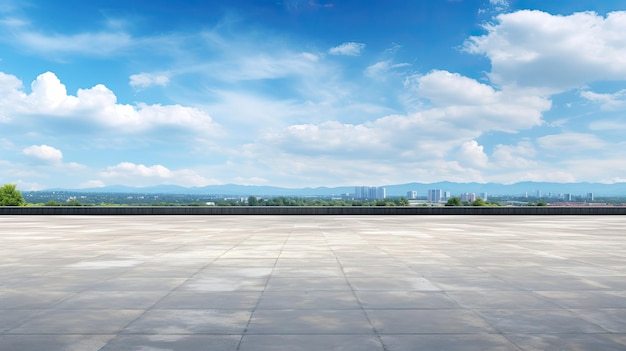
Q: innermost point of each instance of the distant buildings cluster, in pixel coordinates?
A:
(439, 195)
(370, 193)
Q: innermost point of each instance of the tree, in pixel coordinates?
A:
(454, 201)
(10, 196)
(253, 201)
(403, 201)
(479, 202)
(73, 202)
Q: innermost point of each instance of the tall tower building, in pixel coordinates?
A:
(435, 195)
(370, 193)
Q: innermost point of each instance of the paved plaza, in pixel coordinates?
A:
(351, 283)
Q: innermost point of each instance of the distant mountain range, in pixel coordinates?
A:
(598, 189)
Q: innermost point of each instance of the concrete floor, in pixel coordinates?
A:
(312, 283)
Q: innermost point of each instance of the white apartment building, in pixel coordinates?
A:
(435, 195)
(370, 193)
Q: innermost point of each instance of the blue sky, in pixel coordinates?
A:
(311, 92)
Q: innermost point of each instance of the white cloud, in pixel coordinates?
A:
(347, 49)
(99, 105)
(445, 88)
(499, 5)
(309, 56)
(379, 69)
(13, 22)
(329, 137)
(28, 186)
(608, 102)
(571, 142)
(463, 108)
(552, 52)
(465, 102)
(92, 44)
(520, 156)
(91, 184)
(44, 153)
(264, 66)
(472, 155)
(145, 80)
(141, 175)
(608, 125)
(250, 181)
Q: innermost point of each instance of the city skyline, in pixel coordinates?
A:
(301, 93)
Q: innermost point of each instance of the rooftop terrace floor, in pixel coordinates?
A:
(312, 283)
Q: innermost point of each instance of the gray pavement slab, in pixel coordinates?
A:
(309, 322)
(82, 342)
(169, 342)
(187, 322)
(569, 342)
(448, 342)
(311, 343)
(428, 321)
(312, 283)
(309, 300)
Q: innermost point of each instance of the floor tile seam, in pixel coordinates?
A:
(549, 300)
(588, 320)
(203, 267)
(493, 326)
(478, 312)
(43, 311)
(61, 333)
(267, 280)
(367, 317)
(120, 331)
(306, 334)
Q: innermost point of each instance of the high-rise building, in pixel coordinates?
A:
(589, 196)
(468, 197)
(370, 193)
(446, 195)
(411, 195)
(483, 196)
(435, 195)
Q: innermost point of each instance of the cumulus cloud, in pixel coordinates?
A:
(146, 80)
(347, 49)
(466, 102)
(520, 156)
(142, 175)
(329, 137)
(472, 155)
(98, 105)
(553, 52)
(445, 88)
(44, 153)
(461, 108)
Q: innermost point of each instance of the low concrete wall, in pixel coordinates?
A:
(288, 210)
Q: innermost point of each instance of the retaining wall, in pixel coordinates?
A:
(288, 210)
